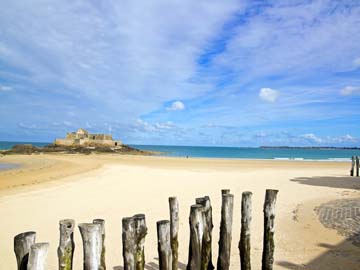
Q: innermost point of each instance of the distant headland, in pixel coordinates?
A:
(311, 147)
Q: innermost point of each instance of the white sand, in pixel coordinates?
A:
(129, 185)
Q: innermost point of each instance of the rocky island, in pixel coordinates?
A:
(80, 141)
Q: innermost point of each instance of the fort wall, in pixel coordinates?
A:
(66, 142)
(83, 138)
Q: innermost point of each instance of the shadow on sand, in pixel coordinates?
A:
(345, 255)
(342, 256)
(346, 182)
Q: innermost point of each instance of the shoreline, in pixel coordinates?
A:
(258, 159)
(45, 169)
(34, 170)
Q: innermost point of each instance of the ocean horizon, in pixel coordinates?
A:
(275, 153)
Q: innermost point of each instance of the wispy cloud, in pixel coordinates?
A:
(350, 90)
(357, 62)
(5, 88)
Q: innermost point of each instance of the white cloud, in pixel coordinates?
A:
(341, 139)
(176, 106)
(5, 88)
(166, 125)
(141, 125)
(290, 139)
(357, 62)
(312, 137)
(28, 126)
(68, 123)
(261, 134)
(89, 125)
(268, 94)
(350, 90)
(349, 137)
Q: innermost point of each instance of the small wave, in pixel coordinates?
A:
(339, 159)
(284, 158)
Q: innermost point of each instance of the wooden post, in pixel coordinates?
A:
(269, 229)
(244, 244)
(352, 166)
(174, 230)
(357, 166)
(140, 233)
(37, 256)
(92, 243)
(22, 245)
(66, 244)
(196, 235)
(225, 191)
(223, 262)
(206, 252)
(101, 222)
(128, 240)
(164, 245)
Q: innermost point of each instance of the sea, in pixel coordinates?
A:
(253, 152)
(8, 166)
(234, 152)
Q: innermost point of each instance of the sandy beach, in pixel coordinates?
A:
(47, 188)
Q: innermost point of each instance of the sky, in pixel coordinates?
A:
(182, 72)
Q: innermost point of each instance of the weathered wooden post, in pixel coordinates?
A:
(196, 235)
(244, 244)
(128, 240)
(22, 245)
(66, 244)
(357, 166)
(164, 245)
(37, 256)
(269, 229)
(140, 233)
(225, 191)
(352, 166)
(101, 222)
(223, 262)
(174, 229)
(92, 243)
(206, 252)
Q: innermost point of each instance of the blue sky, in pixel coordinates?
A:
(226, 73)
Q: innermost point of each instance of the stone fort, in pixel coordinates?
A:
(84, 138)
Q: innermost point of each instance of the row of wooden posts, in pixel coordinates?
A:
(354, 166)
(32, 256)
